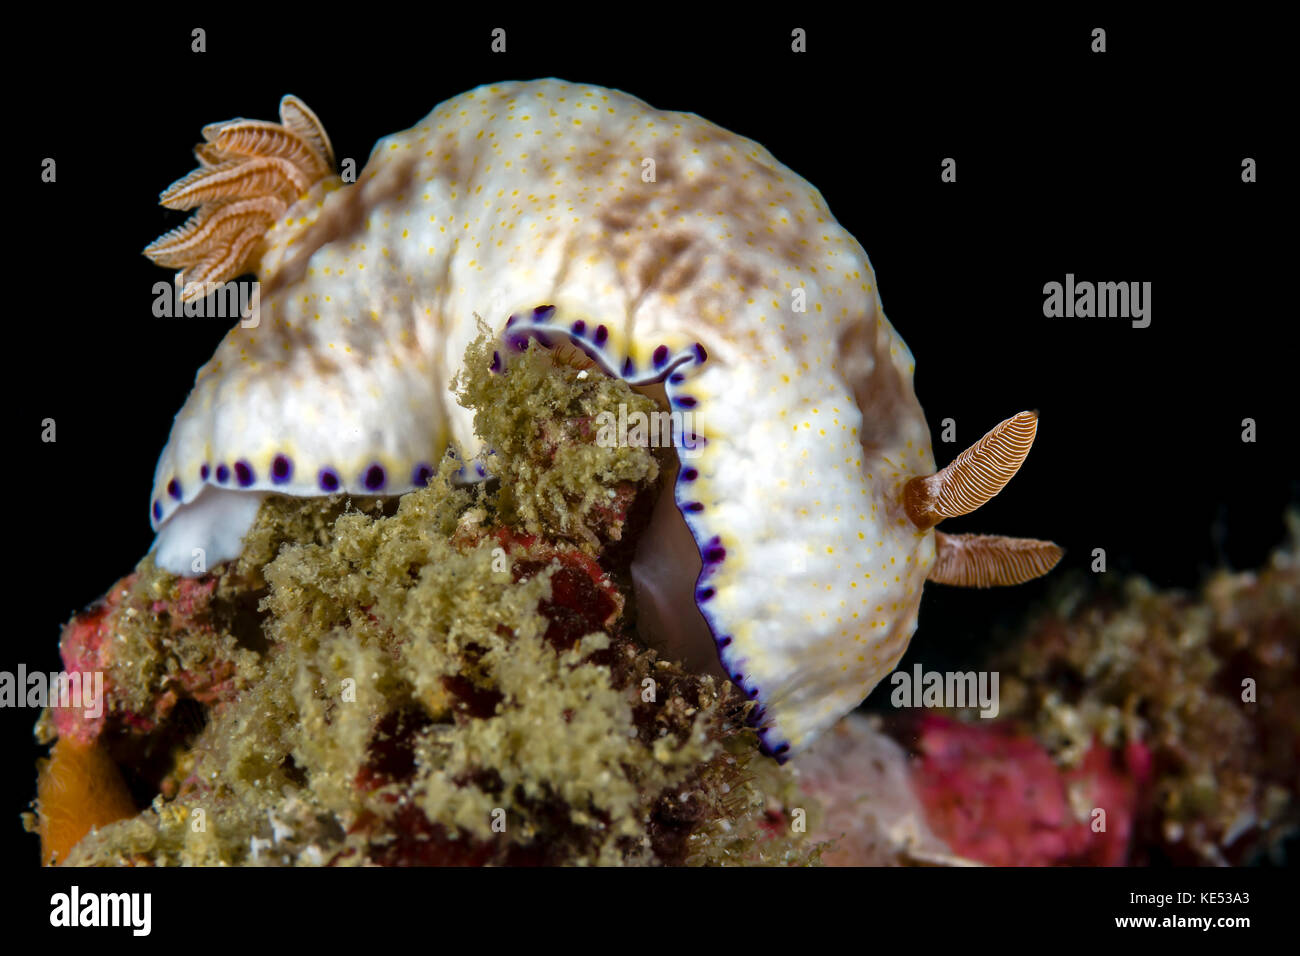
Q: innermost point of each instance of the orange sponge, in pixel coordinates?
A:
(79, 787)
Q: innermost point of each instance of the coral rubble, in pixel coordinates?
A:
(1136, 727)
(450, 678)
(1208, 686)
(454, 677)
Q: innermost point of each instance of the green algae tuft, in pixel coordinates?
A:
(556, 480)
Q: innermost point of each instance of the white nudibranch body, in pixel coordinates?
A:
(671, 250)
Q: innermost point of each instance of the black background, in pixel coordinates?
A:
(1124, 166)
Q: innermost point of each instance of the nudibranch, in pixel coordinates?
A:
(677, 255)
